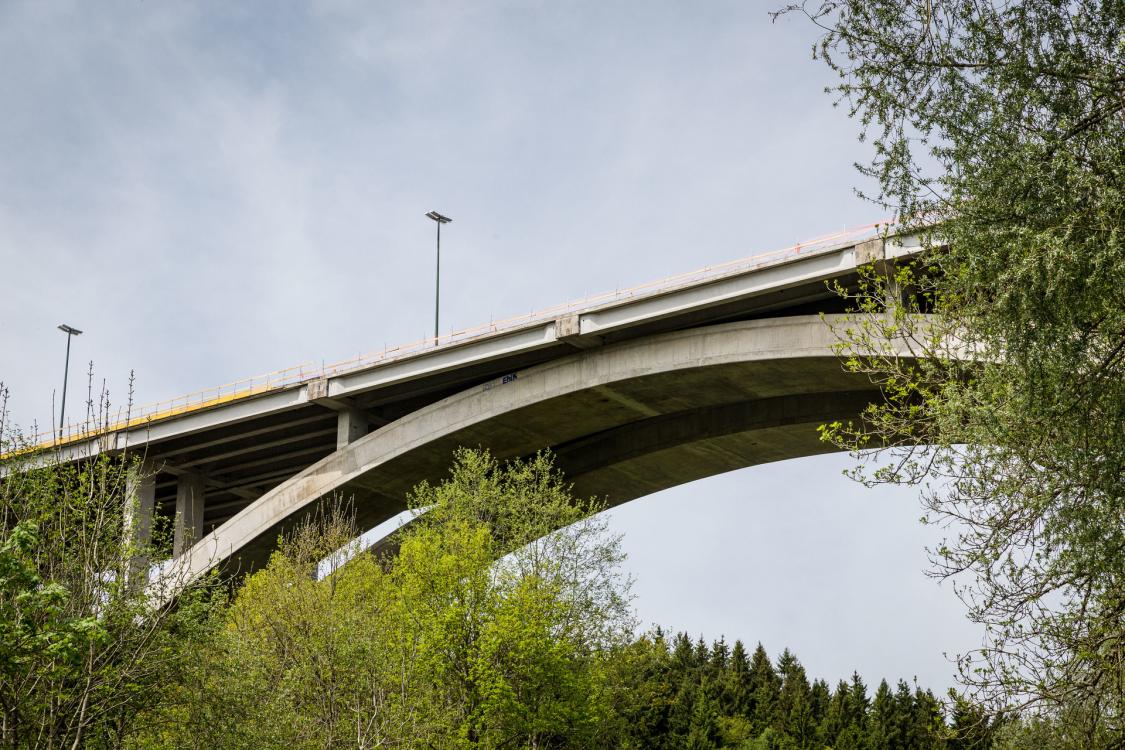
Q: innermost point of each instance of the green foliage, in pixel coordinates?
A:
(490, 627)
(84, 645)
(502, 620)
(765, 687)
(1040, 732)
(972, 728)
(998, 135)
(703, 731)
(668, 697)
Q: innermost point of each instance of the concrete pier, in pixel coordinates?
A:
(140, 504)
(189, 513)
(351, 425)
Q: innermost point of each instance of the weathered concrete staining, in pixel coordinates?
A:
(625, 419)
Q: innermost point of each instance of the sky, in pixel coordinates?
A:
(214, 190)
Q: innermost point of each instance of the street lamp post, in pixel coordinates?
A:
(69, 331)
(439, 219)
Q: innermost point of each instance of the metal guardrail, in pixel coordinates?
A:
(303, 373)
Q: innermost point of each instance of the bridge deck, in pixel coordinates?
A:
(242, 443)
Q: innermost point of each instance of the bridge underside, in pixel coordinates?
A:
(624, 420)
(211, 463)
(707, 372)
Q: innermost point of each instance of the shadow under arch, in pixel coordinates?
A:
(624, 420)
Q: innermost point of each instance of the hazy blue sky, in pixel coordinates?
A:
(213, 190)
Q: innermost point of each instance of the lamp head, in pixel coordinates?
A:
(438, 217)
(69, 330)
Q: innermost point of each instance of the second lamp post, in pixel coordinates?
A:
(439, 219)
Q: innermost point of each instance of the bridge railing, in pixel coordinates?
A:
(289, 377)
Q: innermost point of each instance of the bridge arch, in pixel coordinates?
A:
(625, 420)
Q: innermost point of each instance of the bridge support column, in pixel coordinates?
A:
(896, 292)
(874, 252)
(140, 503)
(189, 513)
(351, 425)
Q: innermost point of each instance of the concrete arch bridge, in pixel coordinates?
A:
(726, 368)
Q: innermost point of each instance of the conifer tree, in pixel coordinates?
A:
(903, 715)
(734, 698)
(819, 696)
(881, 729)
(857, 702)
(765, 689)
(794, 715)
(970, 727)
(836, 716)
(928, 724)
(720, 653)
(644, 694)
(683, 654)
(801, 725)
(701, 656)
(852, 736)
(683, 707)
(703, 731)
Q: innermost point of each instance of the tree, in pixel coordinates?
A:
(1038, 732)
(703, 731)
(819, 696)
(682, 711)
(881, 730)
(765, 688)
(736, 687)
(998, 135)
(927, 727)
(641, 676)
(85, 645)
(836, 717)
(794, 712)
(720, 653)
(490, 627)
(561, 598)
(970, 727)
(858, 702)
